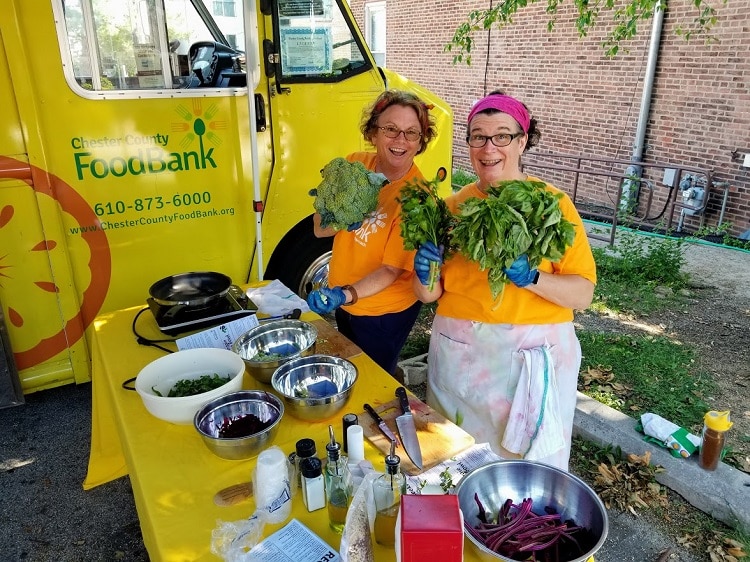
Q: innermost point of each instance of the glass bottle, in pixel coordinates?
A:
(388, 490)
(338, 484)
(715, 427)
(313, 488)
(304, 448)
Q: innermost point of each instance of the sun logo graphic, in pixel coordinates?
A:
(371, 225)
(43, 320)
(198, 123)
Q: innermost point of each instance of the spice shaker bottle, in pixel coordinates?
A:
(338, 484)
(313, 488)
(388, 490)
(715, 427)
(304, 448)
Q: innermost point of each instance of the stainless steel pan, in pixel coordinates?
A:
(190, 289)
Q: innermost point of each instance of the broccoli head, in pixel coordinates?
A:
(347, 194)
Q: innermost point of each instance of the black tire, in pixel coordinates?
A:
(301, 260)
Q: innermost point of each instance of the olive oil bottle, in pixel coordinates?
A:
(338, 484)
(388, 490)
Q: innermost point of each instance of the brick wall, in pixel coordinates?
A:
(588, 104)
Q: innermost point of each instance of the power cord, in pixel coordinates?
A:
(142, 340)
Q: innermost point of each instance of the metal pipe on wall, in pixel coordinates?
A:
(630, 186)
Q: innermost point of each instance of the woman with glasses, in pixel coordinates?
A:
(370, 273)
(507, 374)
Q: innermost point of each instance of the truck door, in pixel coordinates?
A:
(41, 313)
(321, 78)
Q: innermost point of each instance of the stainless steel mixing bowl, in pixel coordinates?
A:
(315, 387)
(285, 339)
(230, 408)
(547, 486)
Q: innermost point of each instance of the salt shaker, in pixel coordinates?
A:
(304, 448)
(313, 488)
(715, 427)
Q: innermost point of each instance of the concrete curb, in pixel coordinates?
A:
(723, 494)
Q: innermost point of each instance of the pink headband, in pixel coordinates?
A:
(504, 104)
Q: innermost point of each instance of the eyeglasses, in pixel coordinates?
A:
(499, 140)
(393, 132)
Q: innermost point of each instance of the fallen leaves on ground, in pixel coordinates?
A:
(724, 549)
(602, 379)
(630, 484)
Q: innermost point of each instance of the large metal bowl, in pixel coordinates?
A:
(231, 408)
(285, 337)
(315, 387)
(547, 486)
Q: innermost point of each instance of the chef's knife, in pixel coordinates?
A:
(407, 430)
(381, 424)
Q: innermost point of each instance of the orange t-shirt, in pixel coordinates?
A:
(466, 290)
(378, 242)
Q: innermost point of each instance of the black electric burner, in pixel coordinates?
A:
(180, 318)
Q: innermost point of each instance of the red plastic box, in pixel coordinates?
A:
(431, 529)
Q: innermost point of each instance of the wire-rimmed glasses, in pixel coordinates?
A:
(393, 132)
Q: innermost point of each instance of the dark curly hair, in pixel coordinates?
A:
(533, 133)
(372, 113)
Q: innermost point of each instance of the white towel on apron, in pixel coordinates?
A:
(535, 430)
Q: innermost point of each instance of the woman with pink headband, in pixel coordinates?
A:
(507, 374)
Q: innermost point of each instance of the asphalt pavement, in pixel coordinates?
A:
(45, 515)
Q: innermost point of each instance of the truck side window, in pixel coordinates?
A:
(317, 42)
(152, 44)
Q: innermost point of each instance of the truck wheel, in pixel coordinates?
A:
(301, 261)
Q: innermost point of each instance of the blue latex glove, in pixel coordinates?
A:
(325, 300)
(427, 253)
(354, 226)
(520, 273)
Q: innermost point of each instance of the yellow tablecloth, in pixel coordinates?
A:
(173, 475)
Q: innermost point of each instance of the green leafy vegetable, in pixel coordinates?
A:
(348, 193)
(425, 217)
(517, 217)
(191, 387)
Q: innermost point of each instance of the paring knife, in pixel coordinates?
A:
(407, 430)
(381, 424)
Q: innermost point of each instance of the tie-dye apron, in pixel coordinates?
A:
(474, 368)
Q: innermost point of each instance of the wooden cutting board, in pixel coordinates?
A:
(439, 439)
(331, 342)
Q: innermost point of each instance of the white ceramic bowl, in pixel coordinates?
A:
(162, 374)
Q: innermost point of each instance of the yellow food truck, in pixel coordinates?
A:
(131, 150)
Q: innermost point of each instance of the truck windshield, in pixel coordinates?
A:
(146, 44)
(317, 41)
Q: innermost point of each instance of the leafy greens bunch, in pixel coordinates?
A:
(517, 217)
(425, 217)
(347, 194)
